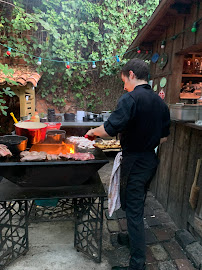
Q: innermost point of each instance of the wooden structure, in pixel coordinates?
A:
(26, 79)
(174, 32)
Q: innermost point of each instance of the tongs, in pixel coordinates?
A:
(91, 138)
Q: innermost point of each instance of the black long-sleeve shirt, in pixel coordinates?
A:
(142, 118)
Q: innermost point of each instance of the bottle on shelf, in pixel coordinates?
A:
(35, 117)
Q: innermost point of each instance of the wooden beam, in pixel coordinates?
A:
(155, 19)
(193, 49)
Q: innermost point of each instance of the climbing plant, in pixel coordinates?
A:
(6, 91)
(74, 31)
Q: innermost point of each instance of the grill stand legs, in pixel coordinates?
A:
(13, 231)
(88, 226)
(14, 220)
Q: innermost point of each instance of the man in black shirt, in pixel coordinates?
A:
(142, 118)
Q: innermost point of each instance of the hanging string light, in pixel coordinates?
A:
(67, 65)
(39, 61)
(117, 58)
(174, 37)
(194, 27)
(9, 51)
(163, 43)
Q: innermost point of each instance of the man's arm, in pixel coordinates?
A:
(99, 131)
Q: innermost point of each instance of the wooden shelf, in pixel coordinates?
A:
(191, 75)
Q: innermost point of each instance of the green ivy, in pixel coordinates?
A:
(6, 91)
(69, 30)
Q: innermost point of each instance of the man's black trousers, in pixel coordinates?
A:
(136, 189)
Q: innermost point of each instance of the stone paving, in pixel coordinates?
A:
(162, 239)
(163, 251)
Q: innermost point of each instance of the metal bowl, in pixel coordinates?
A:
(15, 143)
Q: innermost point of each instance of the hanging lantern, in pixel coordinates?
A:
(163, 43)
(67, 65)
(138, 50)
(39, 61)
(93, 65)
(117, 58)
(194, 27)
(8, 52)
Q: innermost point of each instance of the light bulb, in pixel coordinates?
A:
(39, 61)
(8, 52)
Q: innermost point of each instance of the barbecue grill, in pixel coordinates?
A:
(75, 181)
(51, 173)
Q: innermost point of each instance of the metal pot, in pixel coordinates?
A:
(55, 136)
(34, 131)
(15, 143)
(69, 117)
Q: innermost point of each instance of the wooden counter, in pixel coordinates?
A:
(175, 174)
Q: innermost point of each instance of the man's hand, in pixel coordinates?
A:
(90, 135)
(98, 131)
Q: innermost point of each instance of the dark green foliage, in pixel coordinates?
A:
(75, 31)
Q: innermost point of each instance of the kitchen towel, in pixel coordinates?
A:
(114, 186)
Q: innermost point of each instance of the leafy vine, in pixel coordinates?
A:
(74, 31)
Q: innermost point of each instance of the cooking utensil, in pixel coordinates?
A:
(69, 117)
(55, 136)
(15, 143)
(15, 120)
(193, 198)
(51, 115)
(34, 131)
(91, 138)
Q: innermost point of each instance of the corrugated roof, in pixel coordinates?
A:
(22, 76)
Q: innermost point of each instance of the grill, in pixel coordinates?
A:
(76, 184)
(51, 173)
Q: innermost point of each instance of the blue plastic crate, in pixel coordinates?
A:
(46, 202)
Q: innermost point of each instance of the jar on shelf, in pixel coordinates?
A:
(35, 117)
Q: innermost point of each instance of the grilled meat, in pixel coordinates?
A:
(38, 156)
(4, 151)
(78, 156)
(82, 142)
(53, 157)
(33, 156)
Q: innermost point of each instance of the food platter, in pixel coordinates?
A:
(108, 144)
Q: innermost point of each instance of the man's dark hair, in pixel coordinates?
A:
(139, 68)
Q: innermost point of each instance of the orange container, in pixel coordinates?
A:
(52, 125)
